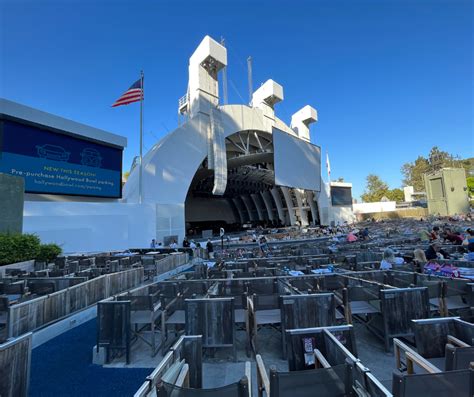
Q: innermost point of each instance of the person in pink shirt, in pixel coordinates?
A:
(351, 237)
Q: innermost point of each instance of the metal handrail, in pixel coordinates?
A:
(183, 100)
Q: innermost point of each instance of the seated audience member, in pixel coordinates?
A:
(419, 260)
(399, 261)
(262, 243)
(424, 235)
(174, 244)
(388, 260)
(364, 233)
(454, 238)
(469, 237)
(434, 251)
(419, 256)
(470, 252)
(351, 237)
(454, 218)
(434, 234)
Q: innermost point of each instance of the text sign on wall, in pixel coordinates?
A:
(55, 163)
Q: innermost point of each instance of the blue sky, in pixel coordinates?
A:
(390, 79)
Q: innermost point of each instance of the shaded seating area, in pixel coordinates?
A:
(369, 298)
(173, 296)
(301, 318)
(385, 309)
(214, 319)
(180, 373)
(360, 298)
(441, 363)
(114, 331)
(64, 297)
(385, 301)
(453, 383)
(321, 361)
(145, 312)
(31, 299)
(306, 311)
(448, 342)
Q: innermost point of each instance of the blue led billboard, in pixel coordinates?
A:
(55, 163)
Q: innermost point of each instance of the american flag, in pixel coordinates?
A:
(133, 94)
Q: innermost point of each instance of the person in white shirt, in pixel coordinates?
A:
(399, 260)
(388, 260)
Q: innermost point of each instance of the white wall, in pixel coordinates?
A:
(408, 193)
(329, 213)
(342, 214)
(380, 206)
(91, 226)
(323, 204)
(170, 221)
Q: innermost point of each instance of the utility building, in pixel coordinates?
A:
(446, 192)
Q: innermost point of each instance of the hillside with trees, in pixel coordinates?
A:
(437, 159)
(376, 189)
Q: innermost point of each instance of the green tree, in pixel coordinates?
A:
(396, 195)
(375, 189)
(468, 165)
(48, 252)
(470, 185)
(413, 173)
(439, 159)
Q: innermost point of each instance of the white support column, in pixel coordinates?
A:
(301, 120)
(204, 65)
(258, 206)
(267, 200)
(301, 209)
(277, 198)
(266, 96)
(289, 204)
(324, 204)
(248, 205)
(310, 197)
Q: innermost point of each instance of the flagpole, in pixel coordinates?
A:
(140, 178)
(328, 167)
